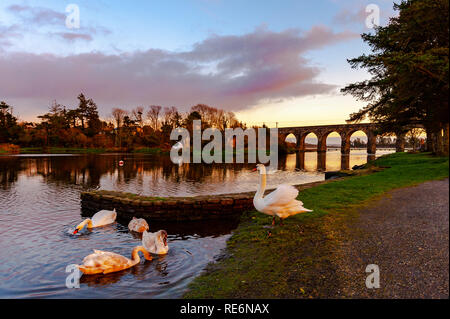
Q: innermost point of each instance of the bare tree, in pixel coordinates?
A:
(137, 116)
(153, 116)
(118, 115)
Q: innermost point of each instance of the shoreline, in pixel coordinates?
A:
(191, 208)
(75, 150)
(140, 150)
(296, 260)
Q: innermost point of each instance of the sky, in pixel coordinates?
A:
(268, 61)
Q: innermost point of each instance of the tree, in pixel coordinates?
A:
(94, 124)
(82, 109)
(413, 138)
(153, 116)
(72, 116)
(53, 123)
(118, 115)
(409, 68)
(8, 124)
(137, 116)
(87, 113)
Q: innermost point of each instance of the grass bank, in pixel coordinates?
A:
(149, 150)
(296, 260)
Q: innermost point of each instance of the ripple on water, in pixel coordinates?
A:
(40, 206)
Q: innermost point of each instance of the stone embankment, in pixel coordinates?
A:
(127, 205)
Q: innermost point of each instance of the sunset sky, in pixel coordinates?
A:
(268, 61)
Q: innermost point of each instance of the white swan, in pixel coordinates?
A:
(138, 225)
(156, 243)
(101, 218)
(106, 262)
(281, 202)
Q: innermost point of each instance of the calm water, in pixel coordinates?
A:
(40, 203)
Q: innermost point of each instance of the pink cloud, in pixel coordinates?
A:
(70, 36)
(231, 72)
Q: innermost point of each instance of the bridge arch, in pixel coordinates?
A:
(371, 140)
(329, 136)
(290, 136)
(301, 141)
(322, 132)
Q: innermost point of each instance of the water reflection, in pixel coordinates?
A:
(331, 160)
(40, 203)
(157, 174)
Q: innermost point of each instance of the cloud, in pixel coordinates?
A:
(7, 33)
(348, 16)
(232, 72)
(70, 36)
(33, 18)
(37, 15)
(355, 13)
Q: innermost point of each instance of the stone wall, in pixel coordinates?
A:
(127, 205)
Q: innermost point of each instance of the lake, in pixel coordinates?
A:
(40, 204)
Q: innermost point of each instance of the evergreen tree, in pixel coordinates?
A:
(409, 68)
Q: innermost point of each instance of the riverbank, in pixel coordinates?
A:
(298, 259)
(75, 150)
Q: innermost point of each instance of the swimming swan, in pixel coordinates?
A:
(156, 243)
(138, 225)
(101, 218)
(106, 262)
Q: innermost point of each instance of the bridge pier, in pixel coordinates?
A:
(321, 143)
(345, 144)
(300, 161)
(321, 161)
(345, 161)
(300, 142)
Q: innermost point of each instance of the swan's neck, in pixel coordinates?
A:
(87, 221)
(135, 259)
(261, 186)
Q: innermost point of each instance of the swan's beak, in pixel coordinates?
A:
(75, 231)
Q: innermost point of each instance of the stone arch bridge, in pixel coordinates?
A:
(344, 130)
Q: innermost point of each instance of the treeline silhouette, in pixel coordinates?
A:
(125, 130)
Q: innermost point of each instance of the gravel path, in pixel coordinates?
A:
(407, 235)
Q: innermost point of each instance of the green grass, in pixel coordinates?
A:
(296, 260)
(148, 150)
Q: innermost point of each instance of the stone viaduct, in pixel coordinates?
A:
(344, 130)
